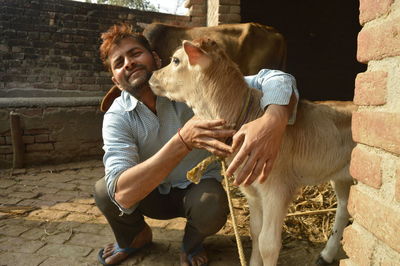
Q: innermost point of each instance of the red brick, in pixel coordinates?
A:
(31, 112)
(235, 9)
(371, 88)
(189, 3)
(6, 149)
(222, 9)
(358, 245)
(28, 139)
(371, 213)
(379, 129)
(366, 167)
(39, 147)
(197, 10)
(371, 9)
(36, 131)
(379, 41)
(198, 20)
(6, 133)
(229, 18)
(41, 138)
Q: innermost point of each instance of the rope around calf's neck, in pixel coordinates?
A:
(195, 175)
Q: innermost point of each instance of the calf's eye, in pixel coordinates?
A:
(175, 60)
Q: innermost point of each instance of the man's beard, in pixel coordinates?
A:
(137, 86)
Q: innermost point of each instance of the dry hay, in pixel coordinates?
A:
(309, 225)
(310, 216)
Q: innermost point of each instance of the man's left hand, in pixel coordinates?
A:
(259, 143)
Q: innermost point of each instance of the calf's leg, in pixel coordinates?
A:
(255, 224)
(275, 200)
(342, 188)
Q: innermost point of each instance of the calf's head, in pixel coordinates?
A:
(194, 73)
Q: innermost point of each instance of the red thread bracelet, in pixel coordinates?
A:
(179, 134)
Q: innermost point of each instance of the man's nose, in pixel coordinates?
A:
(129, 63)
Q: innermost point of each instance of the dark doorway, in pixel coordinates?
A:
(322, 42)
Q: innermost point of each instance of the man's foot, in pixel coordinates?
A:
(111, 254)
(196, 258)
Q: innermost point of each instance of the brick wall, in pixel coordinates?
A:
(50, 47)
(51, 75)
(214, 12)
(374, 236)
(229, 11)
(53, 130)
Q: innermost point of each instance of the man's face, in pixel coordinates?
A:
(131, 66)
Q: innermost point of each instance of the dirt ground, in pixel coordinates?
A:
(48, 217)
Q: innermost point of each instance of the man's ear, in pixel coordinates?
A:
(195, 54)
(157, 59)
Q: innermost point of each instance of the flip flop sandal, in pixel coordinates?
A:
(129, 251)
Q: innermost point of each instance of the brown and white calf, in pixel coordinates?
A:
(315, 149)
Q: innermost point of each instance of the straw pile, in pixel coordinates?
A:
(310, 215)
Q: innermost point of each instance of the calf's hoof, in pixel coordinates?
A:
(321, 262)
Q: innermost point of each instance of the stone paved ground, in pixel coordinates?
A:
(48, 217)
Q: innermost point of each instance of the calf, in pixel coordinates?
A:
(315, 149)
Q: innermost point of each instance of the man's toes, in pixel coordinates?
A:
(199, 259)
(107, 251)
(109, 247)
(115, 258)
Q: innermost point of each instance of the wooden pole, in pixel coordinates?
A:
(16, 139)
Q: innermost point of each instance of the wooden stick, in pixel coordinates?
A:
(16, 139)
(311, 212)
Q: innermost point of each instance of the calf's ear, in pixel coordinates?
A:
(196, 55)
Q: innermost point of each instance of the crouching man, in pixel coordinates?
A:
(151, 142)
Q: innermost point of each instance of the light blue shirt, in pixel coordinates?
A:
(132, 133)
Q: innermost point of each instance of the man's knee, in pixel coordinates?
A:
(210, 211)
(101, 196)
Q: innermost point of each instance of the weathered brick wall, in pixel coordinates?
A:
(54, 130)
(374, 236)
(49, 48)
(214, 12)
(197, 11)
(229, 11)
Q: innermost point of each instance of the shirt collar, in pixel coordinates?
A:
(130, 102)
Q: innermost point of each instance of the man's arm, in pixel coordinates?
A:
(136, 182)
(260, 140)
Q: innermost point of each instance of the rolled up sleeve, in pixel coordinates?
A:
(121, 152)
(277, 88)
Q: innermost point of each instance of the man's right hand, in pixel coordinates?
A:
(207, 134)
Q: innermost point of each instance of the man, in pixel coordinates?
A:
(150, 143)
